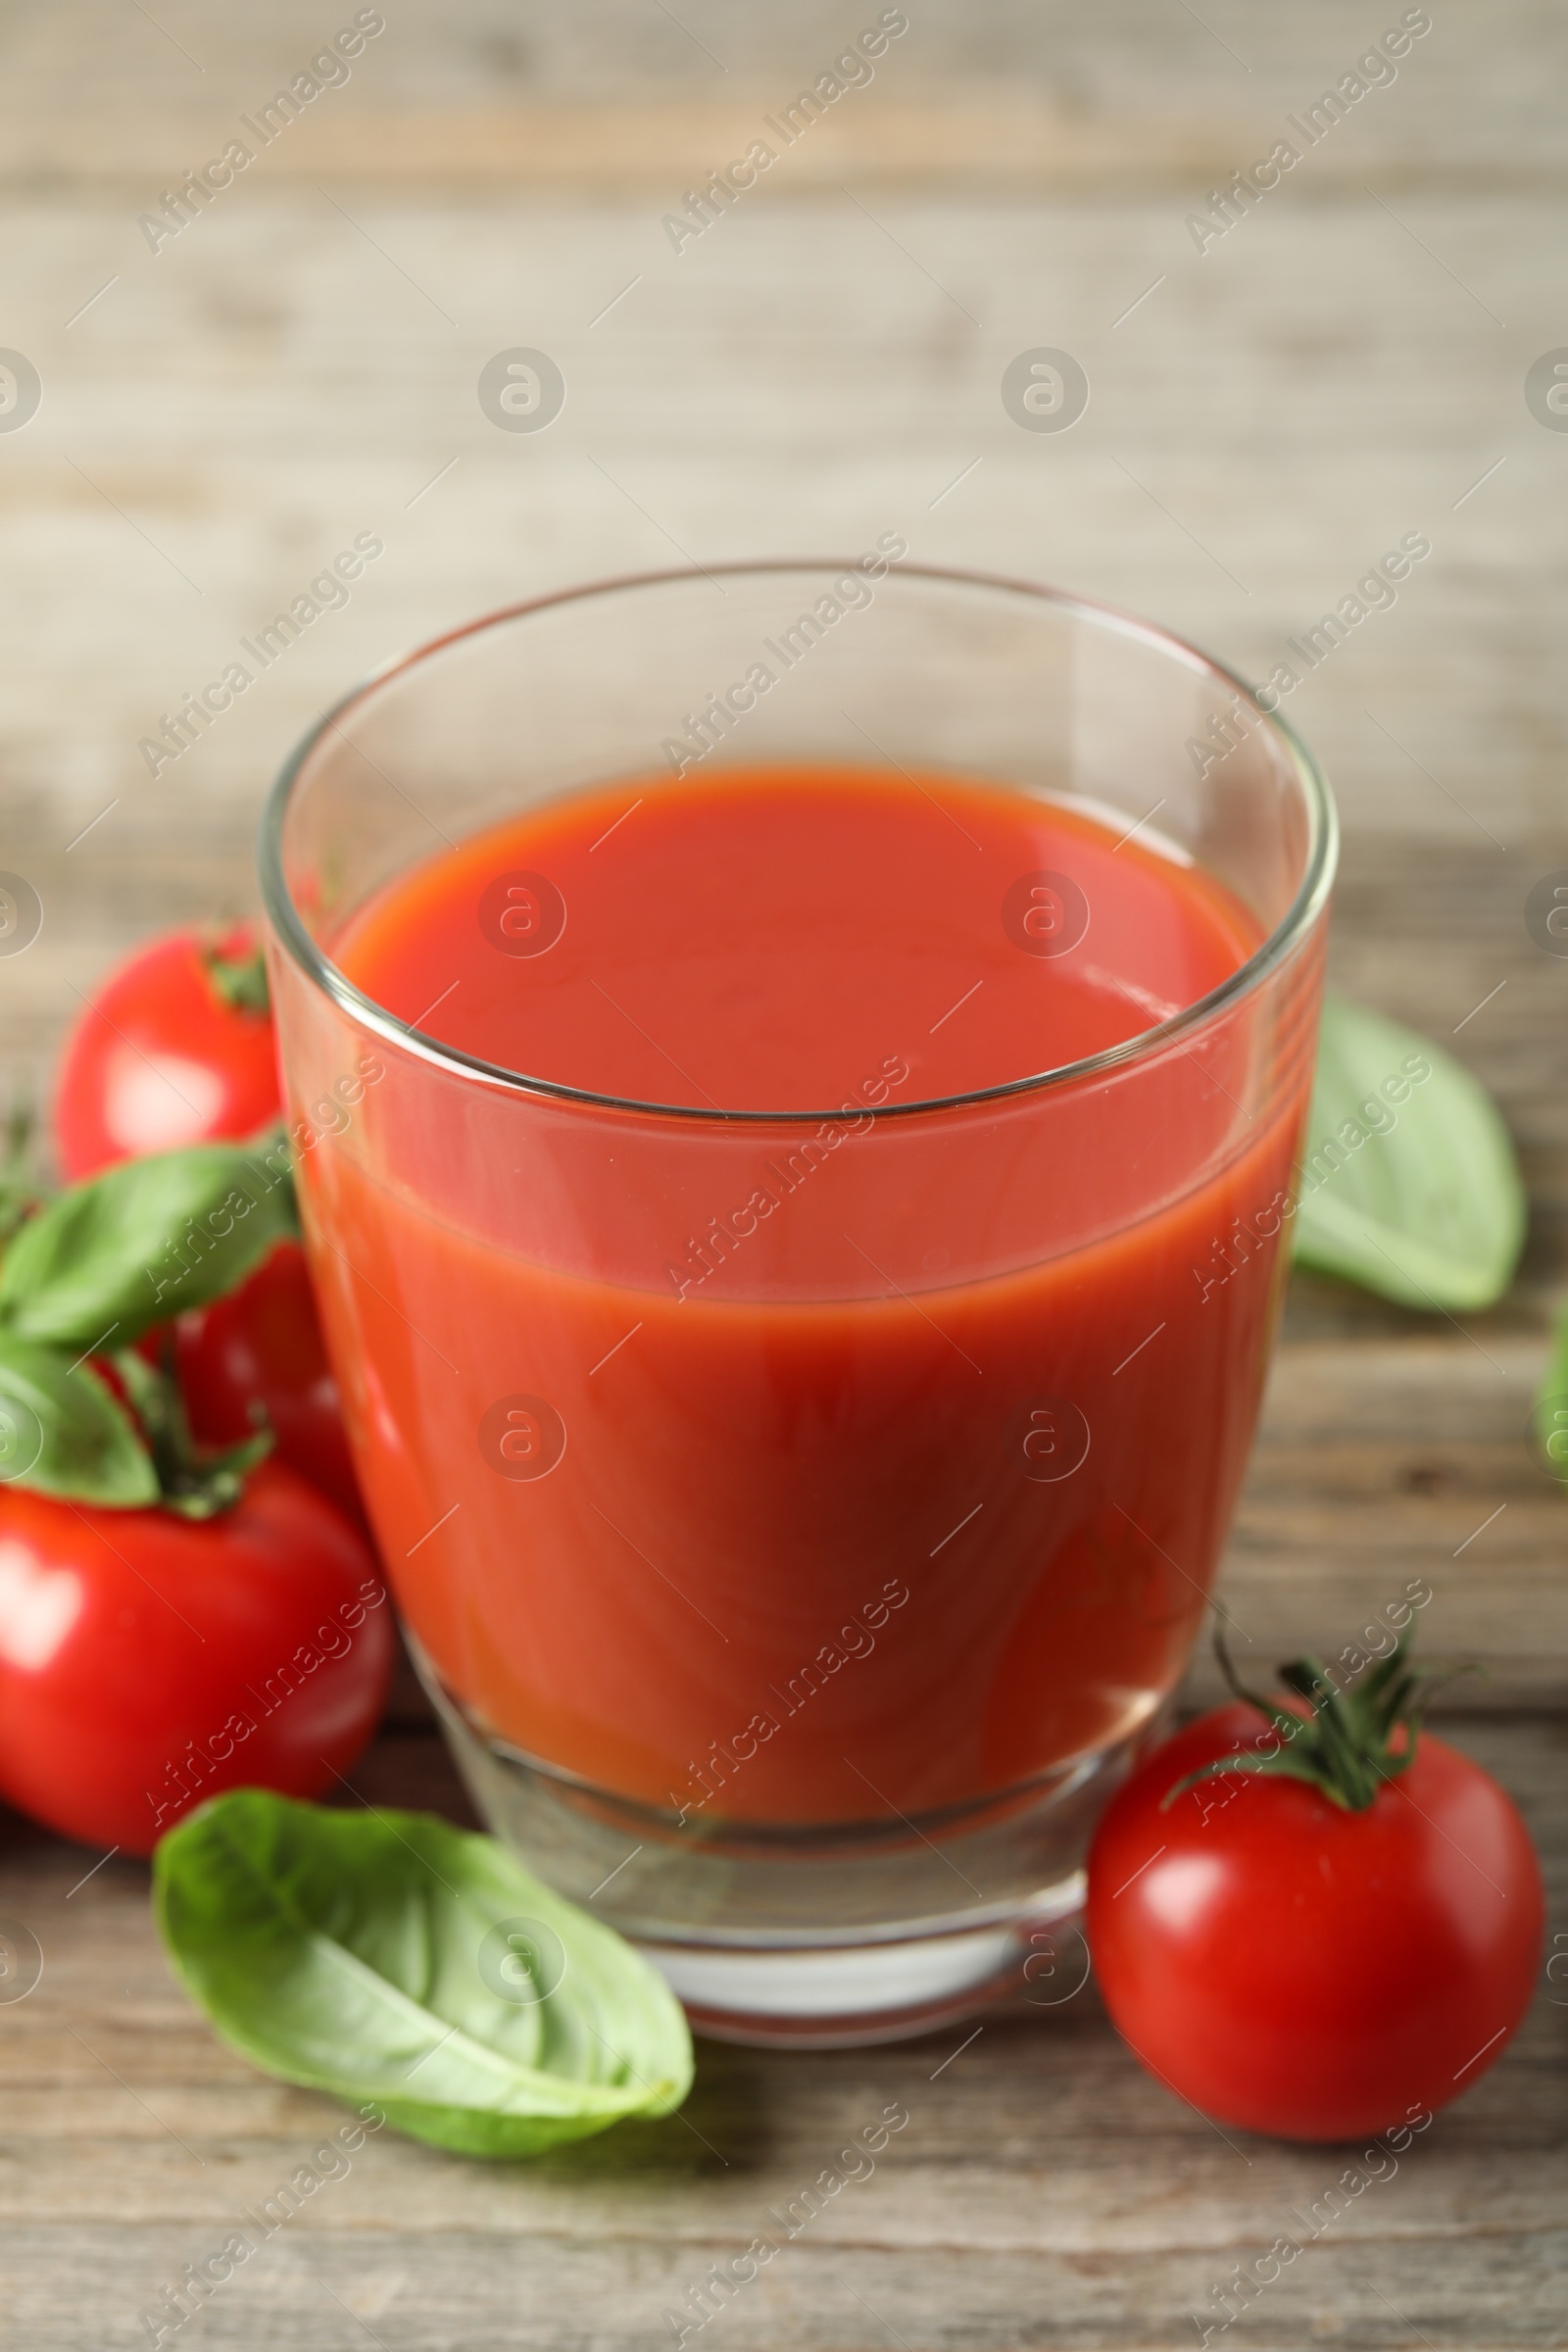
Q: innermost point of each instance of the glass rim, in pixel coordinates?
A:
(1274, 950)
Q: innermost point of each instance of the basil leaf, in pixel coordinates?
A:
(1551, 1407)
(63, 1432)
(1408, 1182)
(107, 1260)
(386, 1957)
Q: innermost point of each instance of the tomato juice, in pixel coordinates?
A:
(866, 1458)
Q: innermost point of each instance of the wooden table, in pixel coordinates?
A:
(300, 364)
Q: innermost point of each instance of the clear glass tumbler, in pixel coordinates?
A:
(813, 1684)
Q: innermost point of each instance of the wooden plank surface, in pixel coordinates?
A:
(1345, 365)
(1044, 2191)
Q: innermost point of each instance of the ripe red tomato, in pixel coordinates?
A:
(147, 1661)
(160, 1058)
(163, 1058)
(263, 1342)
(1304, 1970)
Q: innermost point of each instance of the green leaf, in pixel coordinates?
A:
(1551, 1407)
(386, 1957)
(1416, 1197)
(106, 1261)
(63, 1432)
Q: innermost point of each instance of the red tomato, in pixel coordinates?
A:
(263, 1342)
(160, 1058)
(147, 1661)
(1301, 1970)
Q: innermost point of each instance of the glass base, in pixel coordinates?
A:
(813, 1937)
(849, 1995)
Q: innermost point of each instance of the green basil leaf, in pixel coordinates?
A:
(1410, 1184)
(106, 1261)
(63, 1432)
(387, 1957)
(1551, 1407)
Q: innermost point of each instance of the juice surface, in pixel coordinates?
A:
(796, 1475)
(755, 942)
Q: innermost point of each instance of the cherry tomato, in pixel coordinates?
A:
(165, 1056)
(263, 1345)
(162, 1057)
(1301, 1970)
(147, 1661)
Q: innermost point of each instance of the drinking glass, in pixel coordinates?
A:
(802, 1619)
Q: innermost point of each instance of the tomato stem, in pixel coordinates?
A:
(236, 966)
(19, 1180)
(193, 1482)
(1350, 1743)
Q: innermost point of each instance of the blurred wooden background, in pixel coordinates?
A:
(1345, 365)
